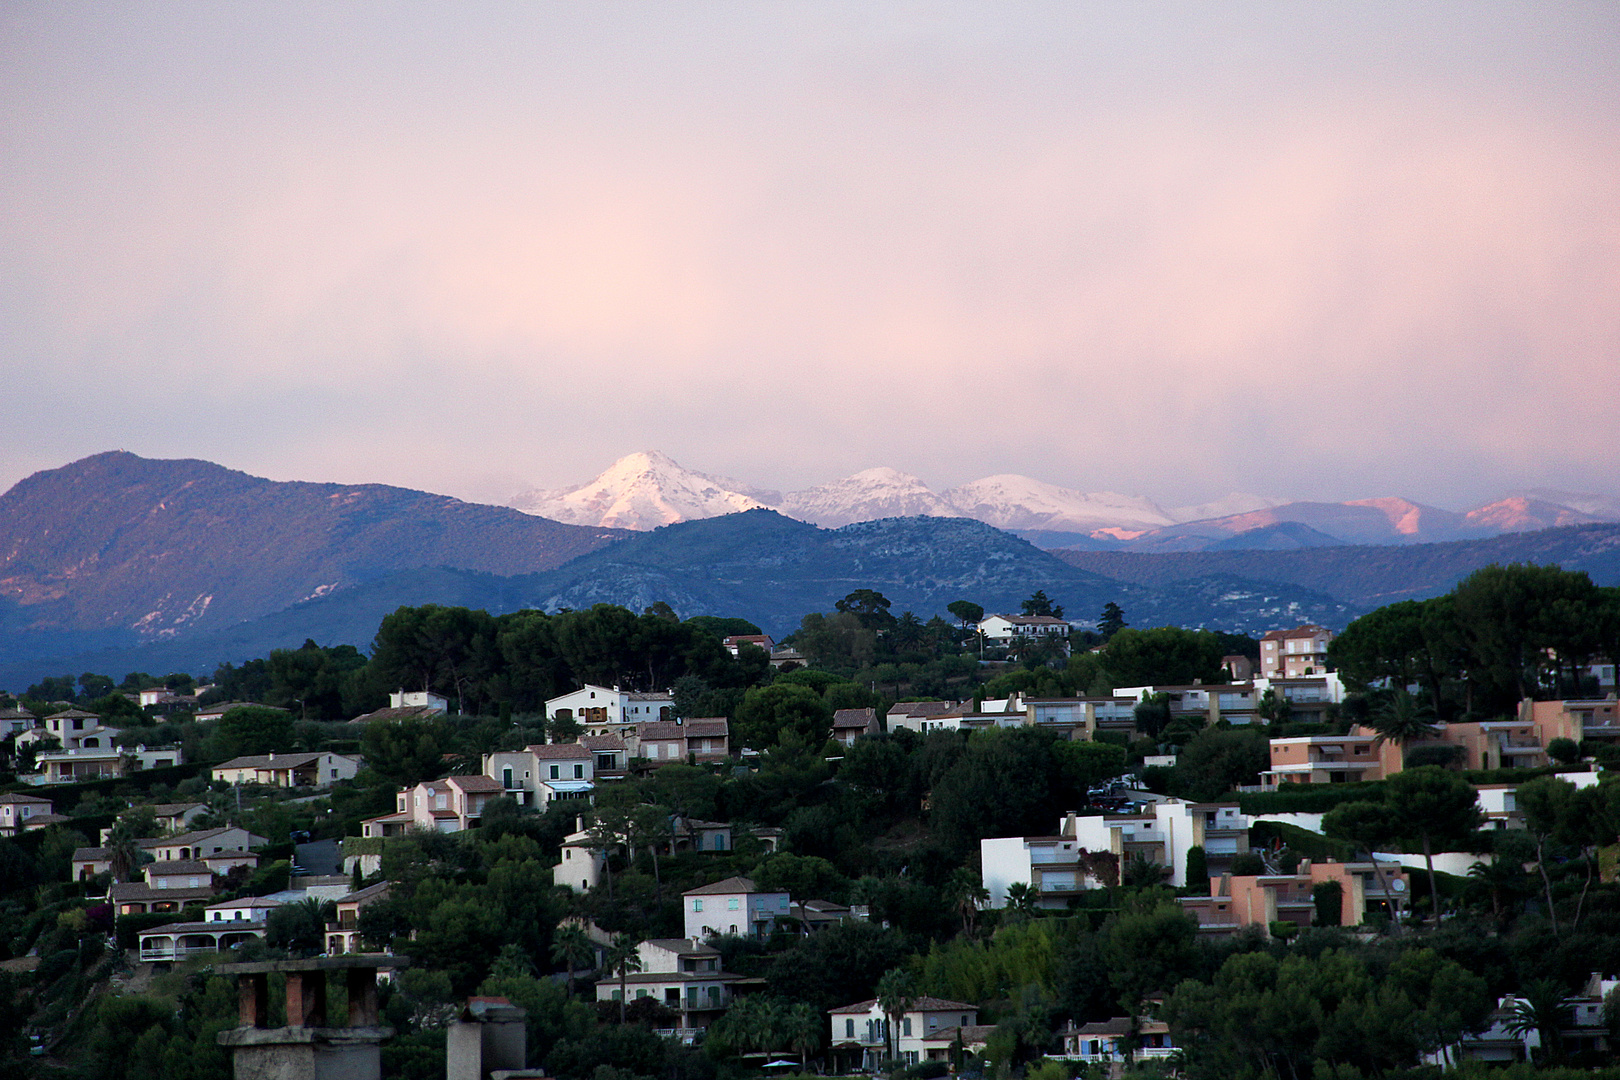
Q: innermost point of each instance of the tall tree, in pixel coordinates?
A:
(1040, 604)
(1433, 806)
(966, 610)
(1111, 621)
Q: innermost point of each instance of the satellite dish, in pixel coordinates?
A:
(1398, 885)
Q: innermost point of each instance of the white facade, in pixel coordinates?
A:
(541, 774)
(598, 708)
(418, 699)
(921, 1033)
(1052, 865)
(1003, 628)
(579, 867)
(733, 906)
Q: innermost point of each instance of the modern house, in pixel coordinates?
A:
(733, 906)
(73, 729)
(1235, 902)
(1331, 759)
(1089, 848)
(924, 716)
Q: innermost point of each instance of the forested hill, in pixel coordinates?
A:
(115, 548)
(1368, 576)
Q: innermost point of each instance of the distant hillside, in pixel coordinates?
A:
(1369, 576)
(117, 549)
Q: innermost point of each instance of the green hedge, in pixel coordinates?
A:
(1308, 798)
(361, 845)
(1313, 846)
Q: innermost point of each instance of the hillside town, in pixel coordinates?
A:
(1017, 843)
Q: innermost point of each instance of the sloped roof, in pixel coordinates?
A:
(602, 743)
(28, 800)
(707, 729)
(553, 751)
(272, 761)
(179, 866)
(729, 885)
(848, 718)
(476, 783)
(921, 1004)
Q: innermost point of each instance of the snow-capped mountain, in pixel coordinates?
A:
(1521, 514)
(1010, 501)
(639, 491)
(646, 490)
(867, 496)
(1236, 503)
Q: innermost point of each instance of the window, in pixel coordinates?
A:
(506, 777)
(697, 905)
(556, 772)
(849, 1028)
(579, 772)
(905, 1027)
(731, 905)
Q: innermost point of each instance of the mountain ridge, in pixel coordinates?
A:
(648, 490)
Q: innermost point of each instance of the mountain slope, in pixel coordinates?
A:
(639, 491)
(866, 496)
(1010, 501)
(1367, 576)
(120, 547)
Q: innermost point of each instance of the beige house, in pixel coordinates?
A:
(314, 770)
(1260, 900)
(1287, 654)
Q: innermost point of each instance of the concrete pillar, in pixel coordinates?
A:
(488, 1037)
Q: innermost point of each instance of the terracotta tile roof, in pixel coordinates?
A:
(25, 800)
(476, 783)
(1306, 631)
(552, 751)
(405, 712)
(707, 729)
(661, 729)
(179, 866)
(270, 761)
(848, 718)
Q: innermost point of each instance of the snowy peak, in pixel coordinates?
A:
(1521, 514)
(1236, 503)
(1010, 501)
(639, 491)
(866, 496)
(1412, 519)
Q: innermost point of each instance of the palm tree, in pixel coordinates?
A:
(1545, 1009)
(1402, 720)
(968, 894)
(573, 948)
(624, 959)
(895, 994)
(801, 1025)
(1020, 900)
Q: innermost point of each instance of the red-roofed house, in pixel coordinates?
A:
(862, 1033)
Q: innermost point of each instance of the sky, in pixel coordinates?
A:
(1323, 251)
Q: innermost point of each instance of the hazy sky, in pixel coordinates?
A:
(1313, 250)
